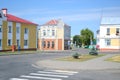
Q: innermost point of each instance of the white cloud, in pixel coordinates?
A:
(43, 15)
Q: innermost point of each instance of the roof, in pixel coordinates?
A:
(110, 20)
(52, 22)
(55, 22)
(17, 19)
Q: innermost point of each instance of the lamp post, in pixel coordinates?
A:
(119, 38)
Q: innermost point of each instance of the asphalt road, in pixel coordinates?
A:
(13, 66)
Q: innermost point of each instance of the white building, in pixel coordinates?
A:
(54, 35)
(108, 37)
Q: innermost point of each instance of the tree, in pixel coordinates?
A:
(87, 36)
(77, 40)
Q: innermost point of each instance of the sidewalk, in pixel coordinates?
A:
(93, 64)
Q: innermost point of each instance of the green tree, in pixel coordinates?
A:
(87, 36)
(77, 40)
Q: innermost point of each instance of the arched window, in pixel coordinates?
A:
(53, 44)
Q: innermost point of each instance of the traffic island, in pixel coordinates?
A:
(79, 58)
(114, 58)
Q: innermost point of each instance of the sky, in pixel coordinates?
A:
(79, 14)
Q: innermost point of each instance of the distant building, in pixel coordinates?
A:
(54, 35)
(108, 37)
(16, 31)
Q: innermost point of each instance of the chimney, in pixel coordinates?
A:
(4, 10)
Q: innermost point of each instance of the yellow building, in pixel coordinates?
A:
(54, 35)
(16, 31)
(108, 37)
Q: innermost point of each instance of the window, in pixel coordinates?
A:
(53, 44)
(44, 44)
(44, 33)
(48, 45)
(18, 42)
(53, 32)
(108, 42)
(26, 30)
(9, 29)
(0, 28)
(9, 42)
(117, 31)
(0, 42)
(18, 30)
(0, 16)
(108, 31)
(25, 42)
(48, 32)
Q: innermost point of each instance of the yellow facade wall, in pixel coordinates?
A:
(113, 31)
(115, 42)
(32, 35)
(31, 38)
(4, 37)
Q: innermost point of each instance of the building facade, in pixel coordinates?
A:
(108, 37)
(16, 31)
(54, 35)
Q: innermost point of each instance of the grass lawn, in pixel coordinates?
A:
(114, 58)
(82, 58)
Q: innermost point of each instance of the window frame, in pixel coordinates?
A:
(25, 42)
(53, 44)
(18, 42)
(26, 31)
(108, 42)
(17, 29)
(117, 31)
(44, 32)
(108, 31)
(0, 28)
(48, 44)
(53, 32)
(9, 29)
(0, 42)
(9, 42)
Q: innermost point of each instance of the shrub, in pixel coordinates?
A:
(76, 56)
(93, 51)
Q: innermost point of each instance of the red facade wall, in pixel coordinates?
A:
(59, 44)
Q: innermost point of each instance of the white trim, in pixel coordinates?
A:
(1, 34)
(1, 45)
(10, 34)
(18, 35)
(26, 37)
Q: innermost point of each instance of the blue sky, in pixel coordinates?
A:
(79, 14)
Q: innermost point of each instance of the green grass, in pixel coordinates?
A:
(114, 59)
(18, 52)
(82, 58)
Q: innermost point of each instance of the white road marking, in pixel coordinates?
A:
(48, 75)
(49, 72)
(36, 77)
(64, 71)
(18, 79)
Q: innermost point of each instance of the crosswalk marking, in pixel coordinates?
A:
(36, 77)
(18, 79)
(49, 72)
(48, 75)
(64, 71)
